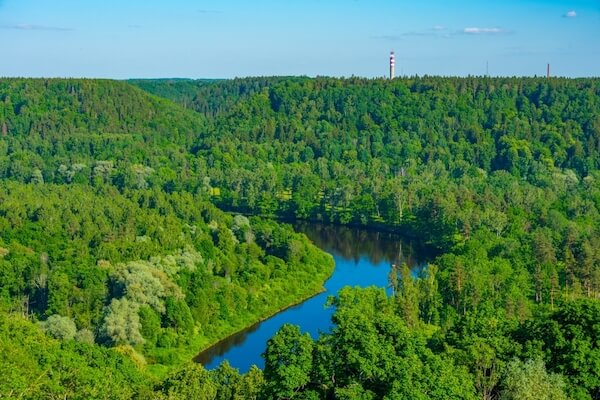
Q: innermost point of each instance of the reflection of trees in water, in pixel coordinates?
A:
(222, 347)
(354, 243)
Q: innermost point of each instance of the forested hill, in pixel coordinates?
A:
(98, 249)
(372, 151)
(209, 97)
(491, 123)
(181, 91)
(109, 233)
(65, 129)
(72, 106)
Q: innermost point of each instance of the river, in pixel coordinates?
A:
(362, 258)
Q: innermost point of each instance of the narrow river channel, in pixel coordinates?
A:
(362, 258)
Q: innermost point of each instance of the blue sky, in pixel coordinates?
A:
(229, 38)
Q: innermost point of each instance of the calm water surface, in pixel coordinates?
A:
(362, 258)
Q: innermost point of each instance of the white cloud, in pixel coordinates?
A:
(479, 31)
(571, 14)
(404, 35)
(413, 33)
(31, 27)
(440, 31)
(391, 38)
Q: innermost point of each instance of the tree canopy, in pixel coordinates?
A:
(133, 232)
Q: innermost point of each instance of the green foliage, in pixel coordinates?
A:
(567, 341)
(34, 366)
(122, 323)
(371, 353)
(233, 386)
(407, 295)
(144, 284)
(288, 362)
(85, 336)
(150, 325)
(530, 381)
(59, 327)
(177, 315)
(99, 256)
(338, 150)
(107, 230)
(190, 382)
(224, 383)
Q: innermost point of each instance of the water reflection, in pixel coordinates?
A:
(353, 243)
(221, 348)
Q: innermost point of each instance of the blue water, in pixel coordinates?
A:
(362, 258)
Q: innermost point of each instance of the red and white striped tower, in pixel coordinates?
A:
(392, 65)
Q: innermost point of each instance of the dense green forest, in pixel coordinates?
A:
(116, 258)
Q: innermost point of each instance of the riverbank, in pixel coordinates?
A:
(161, 361)
(201, 356)
(405, 231)
(381, 247)
(362, 259)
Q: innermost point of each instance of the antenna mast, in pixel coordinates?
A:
(392, 65)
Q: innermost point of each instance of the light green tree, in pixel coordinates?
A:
(122, 322)
(59, 327)
(85, 336)
(37, 177)
(529, 380)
